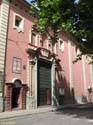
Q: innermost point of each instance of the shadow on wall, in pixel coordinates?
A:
(63, 93)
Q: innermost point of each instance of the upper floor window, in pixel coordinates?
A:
(50, 46)
(78, 52)
(33, 38)
(61, 45)
(41, 43)
(40, 39)
(18, 23)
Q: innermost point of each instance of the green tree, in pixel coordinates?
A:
(84, 27)
(75, 19)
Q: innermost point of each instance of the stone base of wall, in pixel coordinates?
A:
(1, 104)
(81, 99)
(30, 103)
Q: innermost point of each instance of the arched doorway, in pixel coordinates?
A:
(16, 93)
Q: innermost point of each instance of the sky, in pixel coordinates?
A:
(77, 1)
(28, 1)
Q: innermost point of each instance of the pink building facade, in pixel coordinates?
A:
(33, 76)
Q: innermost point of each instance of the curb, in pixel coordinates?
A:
(20, 113)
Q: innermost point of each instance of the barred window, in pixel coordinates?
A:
(17, 65)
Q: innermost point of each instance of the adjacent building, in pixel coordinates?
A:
(31, 75)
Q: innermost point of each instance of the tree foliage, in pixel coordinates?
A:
(75, 19)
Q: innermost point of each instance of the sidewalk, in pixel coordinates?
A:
(19, 113)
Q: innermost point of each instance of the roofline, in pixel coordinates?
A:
(23, 1)
(26, 2)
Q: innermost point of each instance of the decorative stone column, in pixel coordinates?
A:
(53, 75)
(84, 76)
(4, 15)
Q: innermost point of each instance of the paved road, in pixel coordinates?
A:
(66, 117)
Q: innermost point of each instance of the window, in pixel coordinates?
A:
(18, 23)
(41, 43)
(61, 45)
(17, 65)
(77, 52)
(33, 38)
(40, 40)
(50, 46)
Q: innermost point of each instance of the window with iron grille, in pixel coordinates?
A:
(17, 65)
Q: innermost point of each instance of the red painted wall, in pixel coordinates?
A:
(78, 76)
(17, 44)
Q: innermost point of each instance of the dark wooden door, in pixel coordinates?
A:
(44, 83)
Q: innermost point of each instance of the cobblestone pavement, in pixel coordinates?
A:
(61, 117)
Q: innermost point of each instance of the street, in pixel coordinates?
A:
(63, 117)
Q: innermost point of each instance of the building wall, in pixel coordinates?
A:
(82, 79)
(64, 60)
(17, 43)
(78, 76)
(63, 73)
(72, 79)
